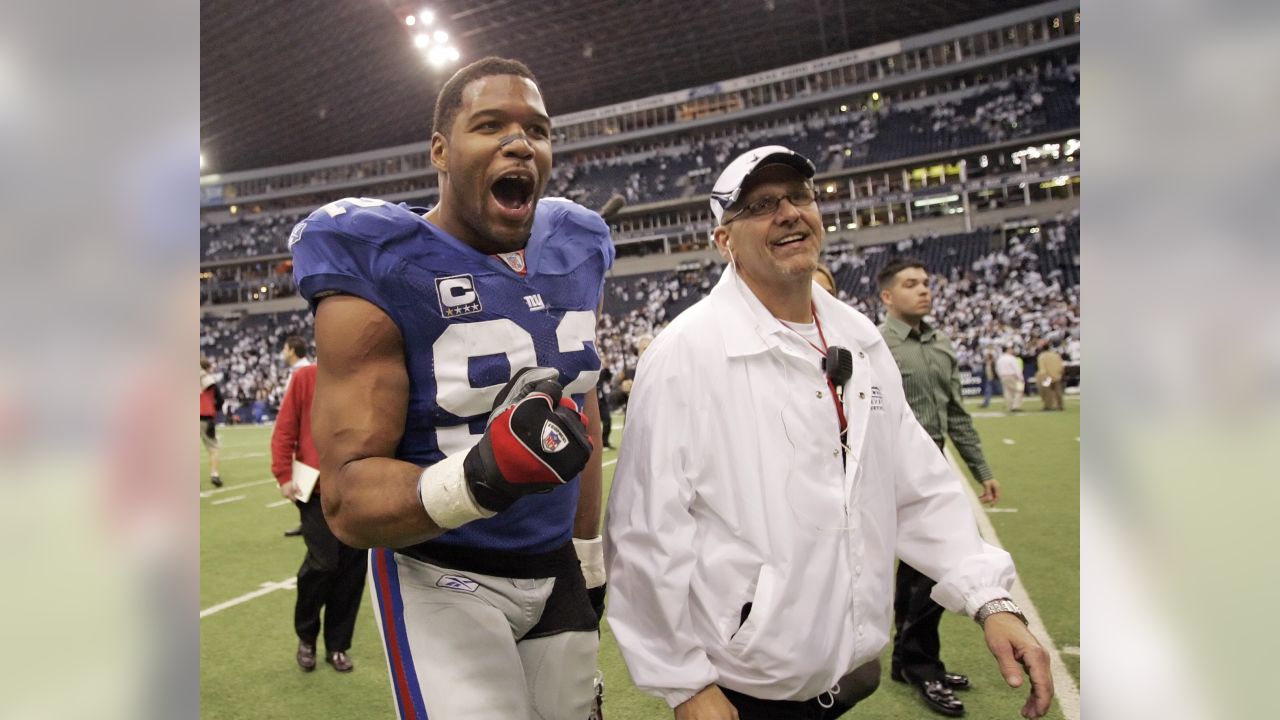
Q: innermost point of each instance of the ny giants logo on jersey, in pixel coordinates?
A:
(553, 439)
(458, 296)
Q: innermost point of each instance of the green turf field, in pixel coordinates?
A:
(247, 668)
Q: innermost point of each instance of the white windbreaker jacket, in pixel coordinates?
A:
(730, 490)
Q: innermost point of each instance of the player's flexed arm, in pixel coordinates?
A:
(362, 392)
(533, 441)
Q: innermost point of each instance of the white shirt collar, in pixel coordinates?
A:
(750, 328)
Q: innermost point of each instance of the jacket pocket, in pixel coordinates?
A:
(756, 612)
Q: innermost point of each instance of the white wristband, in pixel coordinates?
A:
(591, 557)
(445, 496)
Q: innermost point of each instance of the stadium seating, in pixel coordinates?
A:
(988, 292)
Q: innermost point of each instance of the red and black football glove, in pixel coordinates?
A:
(536, 440)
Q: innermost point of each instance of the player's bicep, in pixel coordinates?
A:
(362, 385)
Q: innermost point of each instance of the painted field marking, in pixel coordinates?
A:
(224, 501)
(289, 583)
(278, 503)
(228, 488)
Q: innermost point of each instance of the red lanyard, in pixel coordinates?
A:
(836, 396)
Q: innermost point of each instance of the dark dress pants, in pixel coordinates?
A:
(331, 577)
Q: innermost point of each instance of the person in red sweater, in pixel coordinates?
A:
(210, 403)
(332, 574)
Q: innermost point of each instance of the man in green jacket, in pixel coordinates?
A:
(931, 379)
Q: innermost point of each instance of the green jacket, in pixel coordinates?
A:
(931, 380)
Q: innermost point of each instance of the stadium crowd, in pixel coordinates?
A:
(1040, 98)
(1022, 294)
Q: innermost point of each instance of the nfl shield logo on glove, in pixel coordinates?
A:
(553, 438)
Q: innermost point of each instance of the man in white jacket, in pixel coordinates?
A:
(760, 501)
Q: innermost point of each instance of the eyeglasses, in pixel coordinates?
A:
(768, 204)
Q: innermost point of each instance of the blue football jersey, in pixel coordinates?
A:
(469, 322)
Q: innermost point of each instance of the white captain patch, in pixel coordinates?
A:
(458, 295)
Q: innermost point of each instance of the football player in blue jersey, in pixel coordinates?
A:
(455, 417)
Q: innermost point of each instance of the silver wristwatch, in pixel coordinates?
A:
(999, 606)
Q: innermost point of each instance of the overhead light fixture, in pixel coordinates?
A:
(453, 54)
(410, 20)
(936, 200)
(441, 36)
(421, 40)
(426, 16)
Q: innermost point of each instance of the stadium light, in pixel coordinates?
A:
(436, 56)
(426, 16)
(421, 40)
(453, 54)
(441, 36)
(875, 96)
(844, 108)
(410, 20)
(936, 200)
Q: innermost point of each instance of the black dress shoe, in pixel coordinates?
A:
(340, 661)
(215, 480)
(306, 656)
(294, 532)
(939, 697)
(955, 681)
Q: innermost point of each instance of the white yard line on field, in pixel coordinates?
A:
(278, 503)
(1064, 685)
(228, 488)
(224, 501)
(288, 583)
(611, 462)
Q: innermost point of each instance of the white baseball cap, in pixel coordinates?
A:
(729, 186)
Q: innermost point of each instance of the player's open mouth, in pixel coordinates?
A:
(513, 191)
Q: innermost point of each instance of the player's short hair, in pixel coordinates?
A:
(449, 101)
(885, 278)
(297, 345)
(205, 365)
